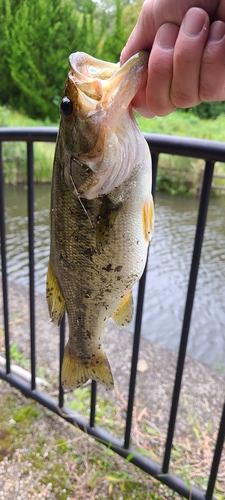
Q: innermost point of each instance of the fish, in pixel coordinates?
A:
(101, 212)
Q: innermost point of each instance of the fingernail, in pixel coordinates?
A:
(194, 21)
(167, 35)
(217, 31)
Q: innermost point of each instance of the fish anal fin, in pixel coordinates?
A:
(148, 219)
(76, 371)
(55, 299)
(124, 313)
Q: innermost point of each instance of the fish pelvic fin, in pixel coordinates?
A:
(55, 299)
(76, 371)
(148, 219)
(124, 313)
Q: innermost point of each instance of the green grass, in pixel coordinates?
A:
(14, 153)
(176, 174)
(186, 125)
(183, 175)
(77, 466)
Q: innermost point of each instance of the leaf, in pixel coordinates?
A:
(142, 365)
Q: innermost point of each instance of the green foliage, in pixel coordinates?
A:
(22, 414)
(37, 36)
(36, 39)
(115, 41)
(208, 110)
(17, 356)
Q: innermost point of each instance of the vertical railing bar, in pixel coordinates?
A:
(137, 330)
(199, 234)
(61, 353)
(4, 265)
(30, 183)
(93, 403)
(216, 457)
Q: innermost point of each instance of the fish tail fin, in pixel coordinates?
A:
(75, 371)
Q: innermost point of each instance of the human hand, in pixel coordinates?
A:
(187, 58)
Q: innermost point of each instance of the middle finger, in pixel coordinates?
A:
(187, 58)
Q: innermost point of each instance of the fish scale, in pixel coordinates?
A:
(98, 245)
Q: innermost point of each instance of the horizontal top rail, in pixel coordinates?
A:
(174, 145)
(28, 134)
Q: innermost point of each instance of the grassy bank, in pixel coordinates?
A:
(176, 175)
(14, 153)
(67, 464)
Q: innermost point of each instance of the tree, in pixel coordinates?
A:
(115, 40)
(39, 37)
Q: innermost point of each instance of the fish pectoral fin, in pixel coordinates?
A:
(148, 219)
(55, 299)
(75, 371)
(124, 313)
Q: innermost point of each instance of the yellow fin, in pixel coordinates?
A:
(107, 216)
(55, 299)
(148, 219)
(75, 371)
(124, 313)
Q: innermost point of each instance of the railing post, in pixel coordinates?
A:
(30, 202)
(200, 228)
(137, 329)
(4, 265)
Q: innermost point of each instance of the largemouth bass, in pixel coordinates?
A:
(101, 210)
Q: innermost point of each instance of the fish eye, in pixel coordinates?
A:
(66, 106)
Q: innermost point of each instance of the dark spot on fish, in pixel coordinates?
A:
(97, 362)
(89, 252)
(108, 268)
(87, 295)
(118, 269)
(118, 278)
(137, 242)
(89, 334)
(59, 298)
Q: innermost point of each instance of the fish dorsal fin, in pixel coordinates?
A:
(148, 219)
(55, 299)
(107, 216)
(124, 313)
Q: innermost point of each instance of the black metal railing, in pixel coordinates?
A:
(210, 152)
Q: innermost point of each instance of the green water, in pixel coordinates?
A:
(168, 267)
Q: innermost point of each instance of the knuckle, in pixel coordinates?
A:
(180, 98)
(206, 92)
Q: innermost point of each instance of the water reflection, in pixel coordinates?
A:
(168, 266)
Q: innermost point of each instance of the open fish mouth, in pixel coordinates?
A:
(99, 84)
(98, 93)
(95, 105)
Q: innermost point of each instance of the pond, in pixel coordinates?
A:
(168, 268)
